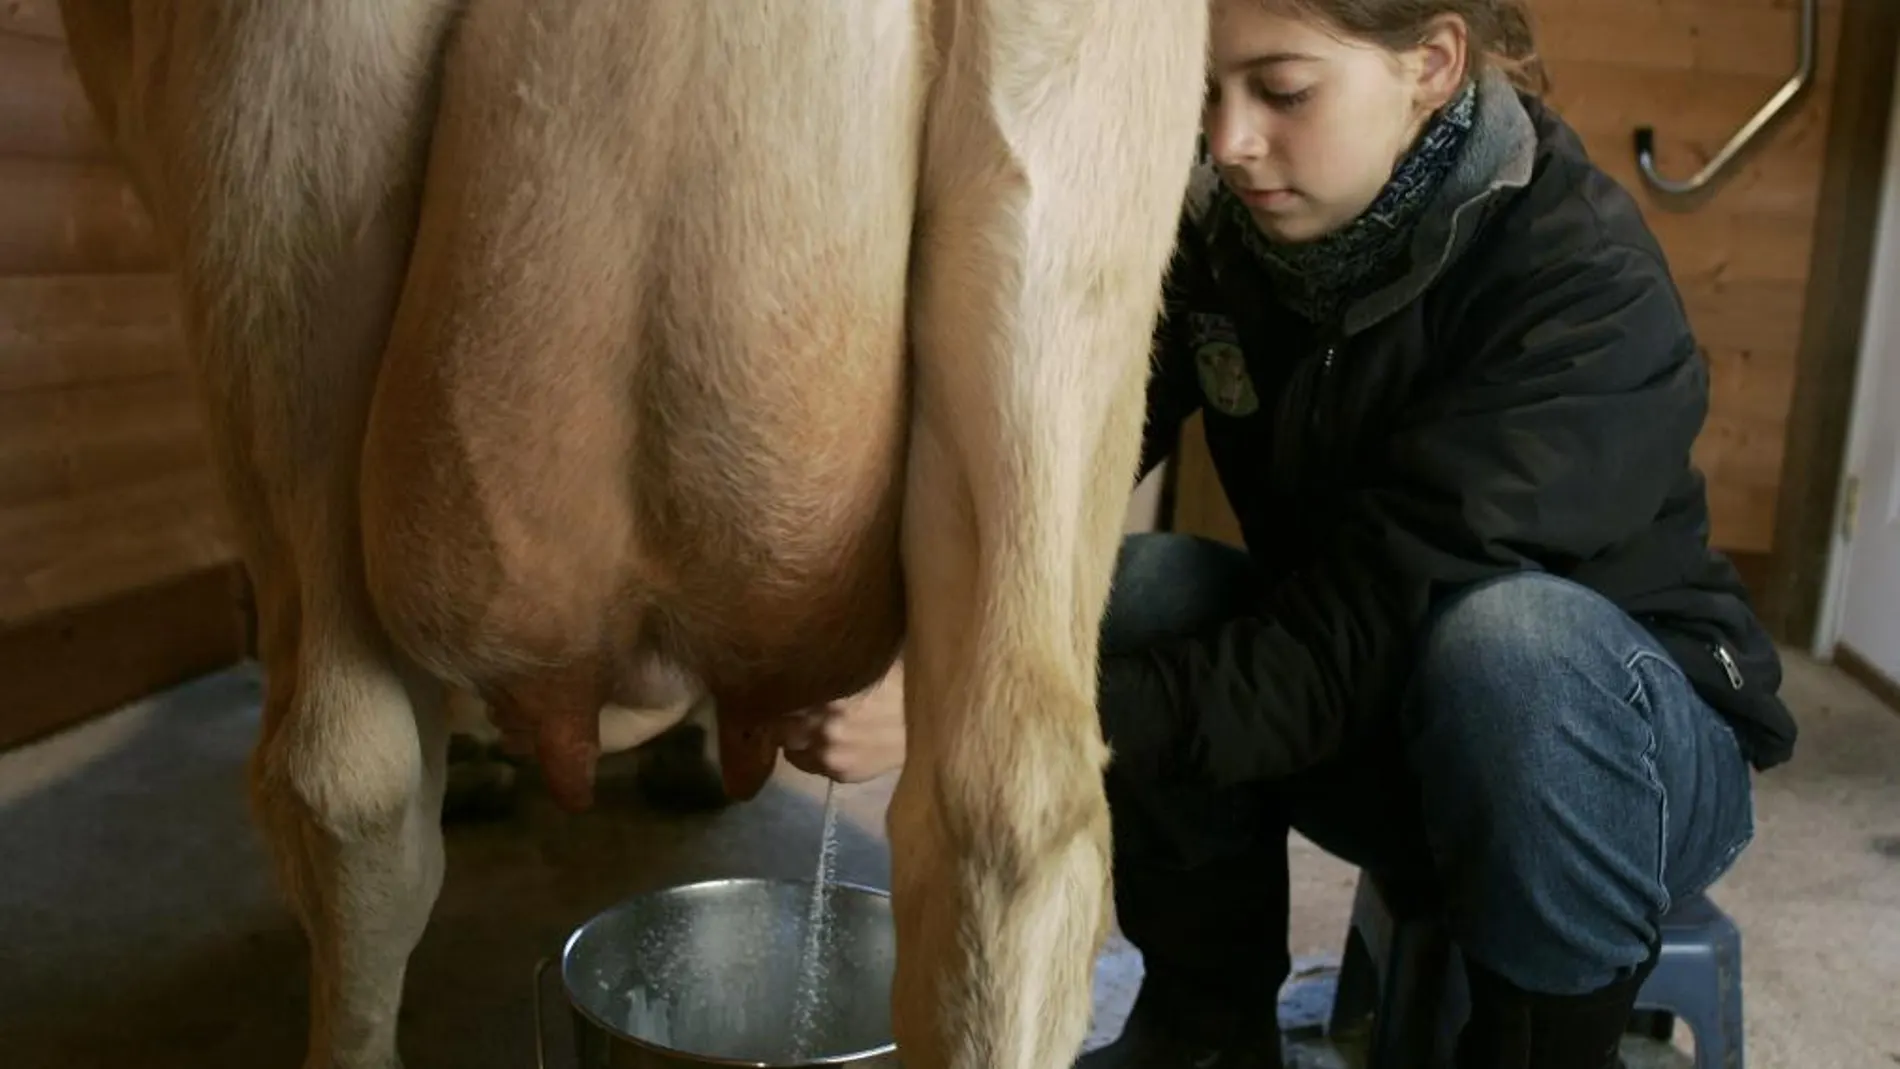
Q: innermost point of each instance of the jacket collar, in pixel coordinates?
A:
(1499, 155)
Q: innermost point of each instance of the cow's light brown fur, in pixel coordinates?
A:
(618, 355)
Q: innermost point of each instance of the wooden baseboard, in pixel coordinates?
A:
(1863, 671)
(67, 667)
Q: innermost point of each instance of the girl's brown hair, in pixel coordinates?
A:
(1500, 30)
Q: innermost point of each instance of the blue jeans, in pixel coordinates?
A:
(1551, 784)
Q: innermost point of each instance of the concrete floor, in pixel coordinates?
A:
(138, 925)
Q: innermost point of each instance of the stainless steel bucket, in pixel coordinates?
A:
(713, 974)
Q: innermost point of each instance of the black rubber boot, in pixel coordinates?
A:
(1159, 1037)
(1510, 1028)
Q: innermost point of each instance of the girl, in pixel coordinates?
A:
(1477, 644)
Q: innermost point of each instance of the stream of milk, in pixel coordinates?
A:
(811, 974)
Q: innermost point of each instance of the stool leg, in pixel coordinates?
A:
(1357, 993)
(1721, 1021)
(1404, 1027)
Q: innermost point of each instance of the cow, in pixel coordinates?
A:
(633, 355)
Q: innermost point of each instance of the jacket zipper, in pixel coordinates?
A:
(1317, 387)
(1296, 431)
(1728, 665)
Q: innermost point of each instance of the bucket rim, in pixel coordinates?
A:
(620, 1035)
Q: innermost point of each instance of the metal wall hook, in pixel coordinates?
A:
(1792, 88)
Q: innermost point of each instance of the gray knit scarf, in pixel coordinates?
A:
(1319, 278)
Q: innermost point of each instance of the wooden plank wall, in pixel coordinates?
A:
(1696, 70)
(116, 569)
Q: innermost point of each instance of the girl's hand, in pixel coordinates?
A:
(856, 739)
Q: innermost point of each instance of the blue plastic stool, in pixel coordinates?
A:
(1403, 984)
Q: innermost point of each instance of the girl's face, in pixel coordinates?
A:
(1305, 125)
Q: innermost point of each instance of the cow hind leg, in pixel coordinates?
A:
(347, 784)
(276, 147)
(1056, 157)
(348, 775)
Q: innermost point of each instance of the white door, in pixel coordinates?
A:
(1866, 579)
(1870, 579)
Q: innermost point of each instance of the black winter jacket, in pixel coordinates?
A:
(1525, 398)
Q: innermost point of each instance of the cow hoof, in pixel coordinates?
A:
(676, 773)
(482, 783)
